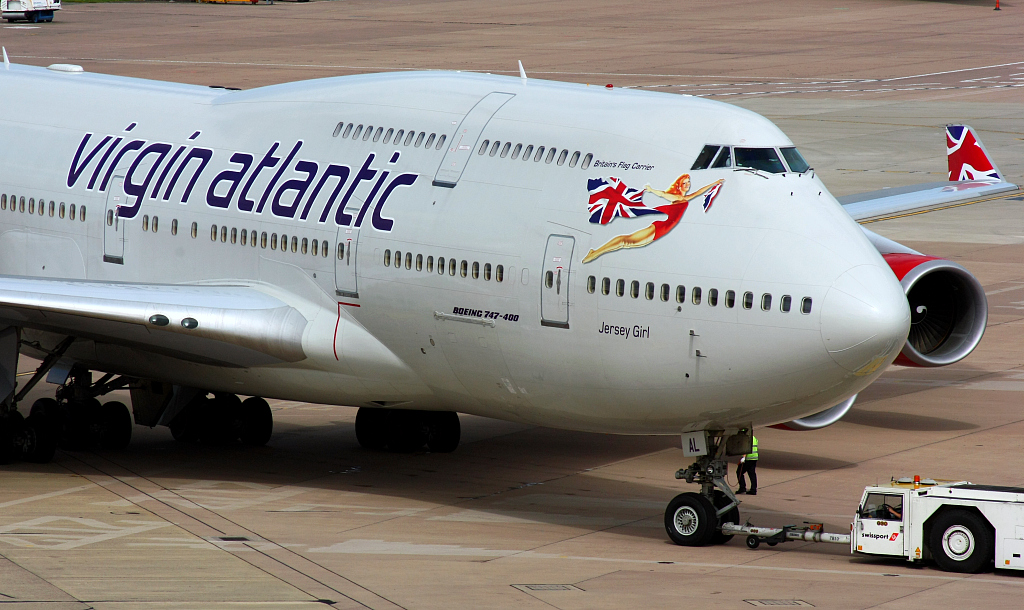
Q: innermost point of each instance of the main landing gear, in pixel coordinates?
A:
(696, 518)
(405, 431)
(221, 418)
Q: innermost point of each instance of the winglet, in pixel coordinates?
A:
(967, 157)
(522, 71)
(7, 62)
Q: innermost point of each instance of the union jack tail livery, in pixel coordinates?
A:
(610, 197)
(709, 197)
(967, 157)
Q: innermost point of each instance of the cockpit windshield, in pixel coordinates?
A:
(764, 159)
(795, 160)
(761, 158)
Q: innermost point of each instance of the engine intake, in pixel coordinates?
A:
(948, 309)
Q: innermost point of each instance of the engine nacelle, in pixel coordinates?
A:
(948, 309)
(819, 420)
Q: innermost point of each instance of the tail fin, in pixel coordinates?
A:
(967, 157)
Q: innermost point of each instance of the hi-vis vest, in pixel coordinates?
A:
(753, 453)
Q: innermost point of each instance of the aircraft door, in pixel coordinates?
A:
(878, 528)
(461, 145)
(113, 224)
(345, 252)
(555, 281)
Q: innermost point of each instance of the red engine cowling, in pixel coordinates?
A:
(948, 309)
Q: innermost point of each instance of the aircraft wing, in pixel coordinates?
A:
(973, 177)
(227, 325)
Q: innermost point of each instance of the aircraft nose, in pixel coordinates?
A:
(865, 319)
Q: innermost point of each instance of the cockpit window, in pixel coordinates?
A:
(795, 160)
(764, 159)
(724, 158)
(705, 157)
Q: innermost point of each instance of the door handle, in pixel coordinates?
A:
(558, 283)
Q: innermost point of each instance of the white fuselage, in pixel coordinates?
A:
(427, 340)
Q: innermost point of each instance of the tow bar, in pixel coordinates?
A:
(809, 532)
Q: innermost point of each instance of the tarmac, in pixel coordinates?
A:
(530, 517)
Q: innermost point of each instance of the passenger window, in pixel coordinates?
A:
(234, 234)
(549, 279)
(387, 256)
(440, 142)
(551, 155)
(526, 154)
(476, 270)
(41, 207)
(724, 158)
(419, 139)
(376, 134)
(430, 140)
(398, 258)
(263, 240)
(748, 300)
(430, 264)
(419, 262)
(620, 287)
(680, 294)
(408, 138)
(713, 297)
(145, 222)
(787, 302)
(574, 159)
(764, 159)
(665, 291)
(61, 210)
(195, 228)
(368, 133)
(634, 289)
(244, 236)
(695, 295)
(487, 272)
(499, 273)
(387, 136)
(358, 131)
(32, 206)
(606, 286)
(483, 147)
(794, 160)
(451, 267)
(515, 151)
(81, 213)
(440, 265)
(805, 305)
(348, 130)
(539, 154)
(174, 224)
(586, 161)
(464, 269)
(52, 206)
(295, 244)
(766, 301)
(3, 203)
(337, 129)
(213, 232)
(730, 299)
(591, 284)
(273, 241)
(649, 291)
(398, 136)
(71, 215)
(408, 260)
(494, 148)
(305, 245)
(504, 149)
(323, 246)
(562, 156)
(110, 222)
(21, 204)
(224, 234)
(707, 154)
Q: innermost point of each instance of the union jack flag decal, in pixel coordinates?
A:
(966, 156)
(610, 197)
(709, 197)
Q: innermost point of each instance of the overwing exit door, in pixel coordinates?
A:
(113, 224)
(464, 140)
(345, 253)
(554, 281)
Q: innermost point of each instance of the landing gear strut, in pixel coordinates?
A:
(695, 519)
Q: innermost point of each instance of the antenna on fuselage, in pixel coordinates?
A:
(522, 71)
(7, 62)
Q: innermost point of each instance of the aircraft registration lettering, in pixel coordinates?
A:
(233, 184)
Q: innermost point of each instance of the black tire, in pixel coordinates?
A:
(690, 520)
(445, 432)
(732, 516)
(9, 427)
(753, 542)
(371, 428)
(407, 431)
(961, 541)
(257, 422)
(44, 430)
(32, 17)
(220, 419)
(81, 424)
(117, 426)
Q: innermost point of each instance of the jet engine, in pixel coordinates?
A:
(948, 309)
(819, 420)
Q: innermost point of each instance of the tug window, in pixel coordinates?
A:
(620, 287)
(695, 295)
(730, 299)
(713, 297)
(591, 284)
(665, 291)
(805, 305)
(487, 272)
(680, 294)
(764, 159)
(766, 302)
(634, 289)
(707, 154)
(786, 303)
(795, 160)
(499, 273)
(649, 291)
(748, 300)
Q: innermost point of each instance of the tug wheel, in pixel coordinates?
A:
(753, 542)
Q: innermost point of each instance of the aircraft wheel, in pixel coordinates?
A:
(187, 424)
(44, 420)
(371, 428)
(690, 520)
(257, 422)
(961, 541)
(220, 419)
(407, 431)
(81, 424)
(9, 428)
(117, 425)
(445, 432)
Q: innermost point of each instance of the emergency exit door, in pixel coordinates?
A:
(554, 281)
(464, 139)
(346, 251)
(113, 224)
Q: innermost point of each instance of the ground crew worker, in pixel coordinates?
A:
(748, 465)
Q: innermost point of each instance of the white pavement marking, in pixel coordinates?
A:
(36, 533)
(52, 494)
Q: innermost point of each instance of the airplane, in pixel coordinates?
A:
(423, 244)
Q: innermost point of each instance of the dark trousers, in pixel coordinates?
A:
(748, 467)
